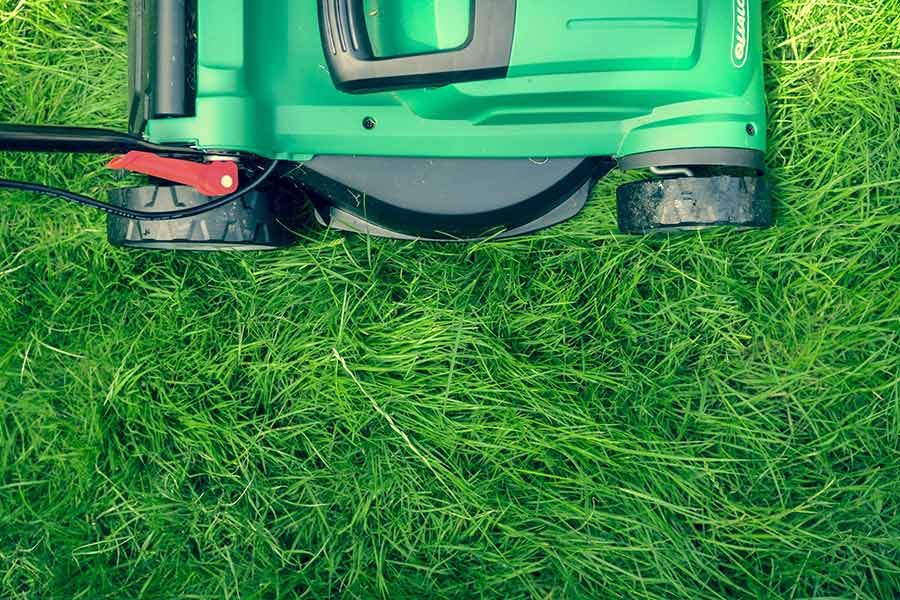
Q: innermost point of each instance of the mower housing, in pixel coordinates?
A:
(447, 119)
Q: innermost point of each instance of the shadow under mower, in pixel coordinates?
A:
(428, 119)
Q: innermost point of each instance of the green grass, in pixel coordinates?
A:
(577, 414)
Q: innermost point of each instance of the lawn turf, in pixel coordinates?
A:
(575, 414)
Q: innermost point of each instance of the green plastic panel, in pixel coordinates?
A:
(401, 27)
(587, 77)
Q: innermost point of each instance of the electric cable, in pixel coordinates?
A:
(136, 214)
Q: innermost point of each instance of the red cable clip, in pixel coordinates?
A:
(210, 179)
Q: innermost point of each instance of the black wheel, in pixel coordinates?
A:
(690, 203)
(255, 222)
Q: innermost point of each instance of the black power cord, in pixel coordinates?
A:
(136, 214)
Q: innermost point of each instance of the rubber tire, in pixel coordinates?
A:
(691, 203)
(255, 222)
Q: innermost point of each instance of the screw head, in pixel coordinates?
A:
(369, 123)
(227, 182)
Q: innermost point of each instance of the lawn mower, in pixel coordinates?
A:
(427, 119)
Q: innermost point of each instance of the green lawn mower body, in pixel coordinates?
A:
(573, 78)
(451, 119)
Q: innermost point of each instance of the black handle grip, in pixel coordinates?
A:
(81, 140)
(355, 68)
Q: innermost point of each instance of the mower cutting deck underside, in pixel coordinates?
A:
(434, 119)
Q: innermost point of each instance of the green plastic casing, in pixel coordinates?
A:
(586, 78)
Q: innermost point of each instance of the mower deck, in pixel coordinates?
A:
(584, 79)
(438, 119)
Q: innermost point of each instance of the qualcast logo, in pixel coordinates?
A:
(740, 49)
